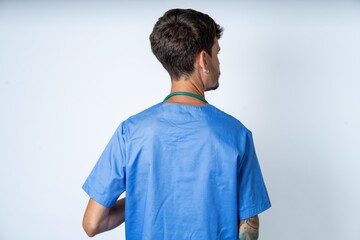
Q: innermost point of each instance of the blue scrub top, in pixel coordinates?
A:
(189, 172)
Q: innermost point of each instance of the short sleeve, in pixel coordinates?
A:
(252, 194)
(107, 179)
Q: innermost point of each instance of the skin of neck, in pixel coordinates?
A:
(191, 84)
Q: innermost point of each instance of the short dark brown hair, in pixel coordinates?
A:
(179, 35)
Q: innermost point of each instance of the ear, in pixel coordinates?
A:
(202, 61)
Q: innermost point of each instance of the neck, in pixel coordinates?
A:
(191, 85)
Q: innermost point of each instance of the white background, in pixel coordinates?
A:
(70, 72)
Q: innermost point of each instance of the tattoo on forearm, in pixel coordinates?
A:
(253, 222)
(249, 229)
(248, 236)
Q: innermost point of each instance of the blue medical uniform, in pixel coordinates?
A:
(189, 172)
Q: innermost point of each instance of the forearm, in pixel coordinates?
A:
(98, 219)
(249, 229)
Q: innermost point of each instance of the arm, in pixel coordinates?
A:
(98, 219)
(249, 228)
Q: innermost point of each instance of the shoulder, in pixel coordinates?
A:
(226, 119)
(141, 116)
(142, 119)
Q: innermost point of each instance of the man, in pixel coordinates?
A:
(189, 170)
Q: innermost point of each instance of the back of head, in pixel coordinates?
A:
(179, 35)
